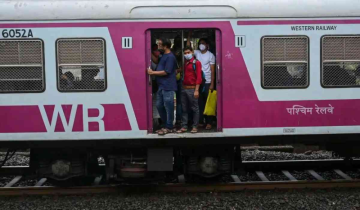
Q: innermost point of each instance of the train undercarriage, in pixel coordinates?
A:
(133, 164)
(136, 162)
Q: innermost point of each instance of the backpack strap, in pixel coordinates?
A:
(194, 64)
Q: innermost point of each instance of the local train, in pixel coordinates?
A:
(286, 72)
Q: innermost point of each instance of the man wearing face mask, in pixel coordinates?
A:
(190, 90)
(207, 60)
(166, 79)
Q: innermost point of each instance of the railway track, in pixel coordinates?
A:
(260, 168)
(176, 188)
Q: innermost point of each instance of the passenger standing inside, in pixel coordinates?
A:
(177, 50)
(207, 60)
(166, 79)
(67, 80)
(155, 56)
(190, 90)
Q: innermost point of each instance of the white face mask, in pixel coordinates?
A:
(188, 56)
(202, 47)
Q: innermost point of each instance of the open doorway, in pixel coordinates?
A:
(179, 40)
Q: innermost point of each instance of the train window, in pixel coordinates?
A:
(285, 62)
(81, 64)
(21, 66)
(340, 61)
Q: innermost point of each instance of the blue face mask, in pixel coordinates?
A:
(188, 56)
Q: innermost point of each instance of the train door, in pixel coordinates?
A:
(179, 37)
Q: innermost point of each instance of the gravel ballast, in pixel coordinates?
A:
(5, 180)
(16, 160)
(24, 160)
(257, 155)
(300, 199)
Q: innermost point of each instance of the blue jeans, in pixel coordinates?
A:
(178, 101)
(165, 106)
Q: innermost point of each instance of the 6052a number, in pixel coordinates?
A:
(17, 33)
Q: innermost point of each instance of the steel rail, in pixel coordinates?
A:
(176, 188)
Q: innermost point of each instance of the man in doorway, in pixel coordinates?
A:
(190, 90)
(166, 79)
(177, 51)
(207, 60)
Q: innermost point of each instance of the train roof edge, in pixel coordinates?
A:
(13, 10)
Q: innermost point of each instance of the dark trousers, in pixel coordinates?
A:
(165, 106)
(178, 101)
(189, 103)
(202, 102)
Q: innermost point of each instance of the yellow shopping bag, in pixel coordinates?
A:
(178, 76)
(210, 107)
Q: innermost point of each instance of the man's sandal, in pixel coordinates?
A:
(182, 130)
(194, 130)
(165, 131)
(208, 127)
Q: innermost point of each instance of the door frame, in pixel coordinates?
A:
(218, 81)
(218, 72)
(148, 81)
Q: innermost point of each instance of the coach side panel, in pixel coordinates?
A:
(325, 103)
(85, 114)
